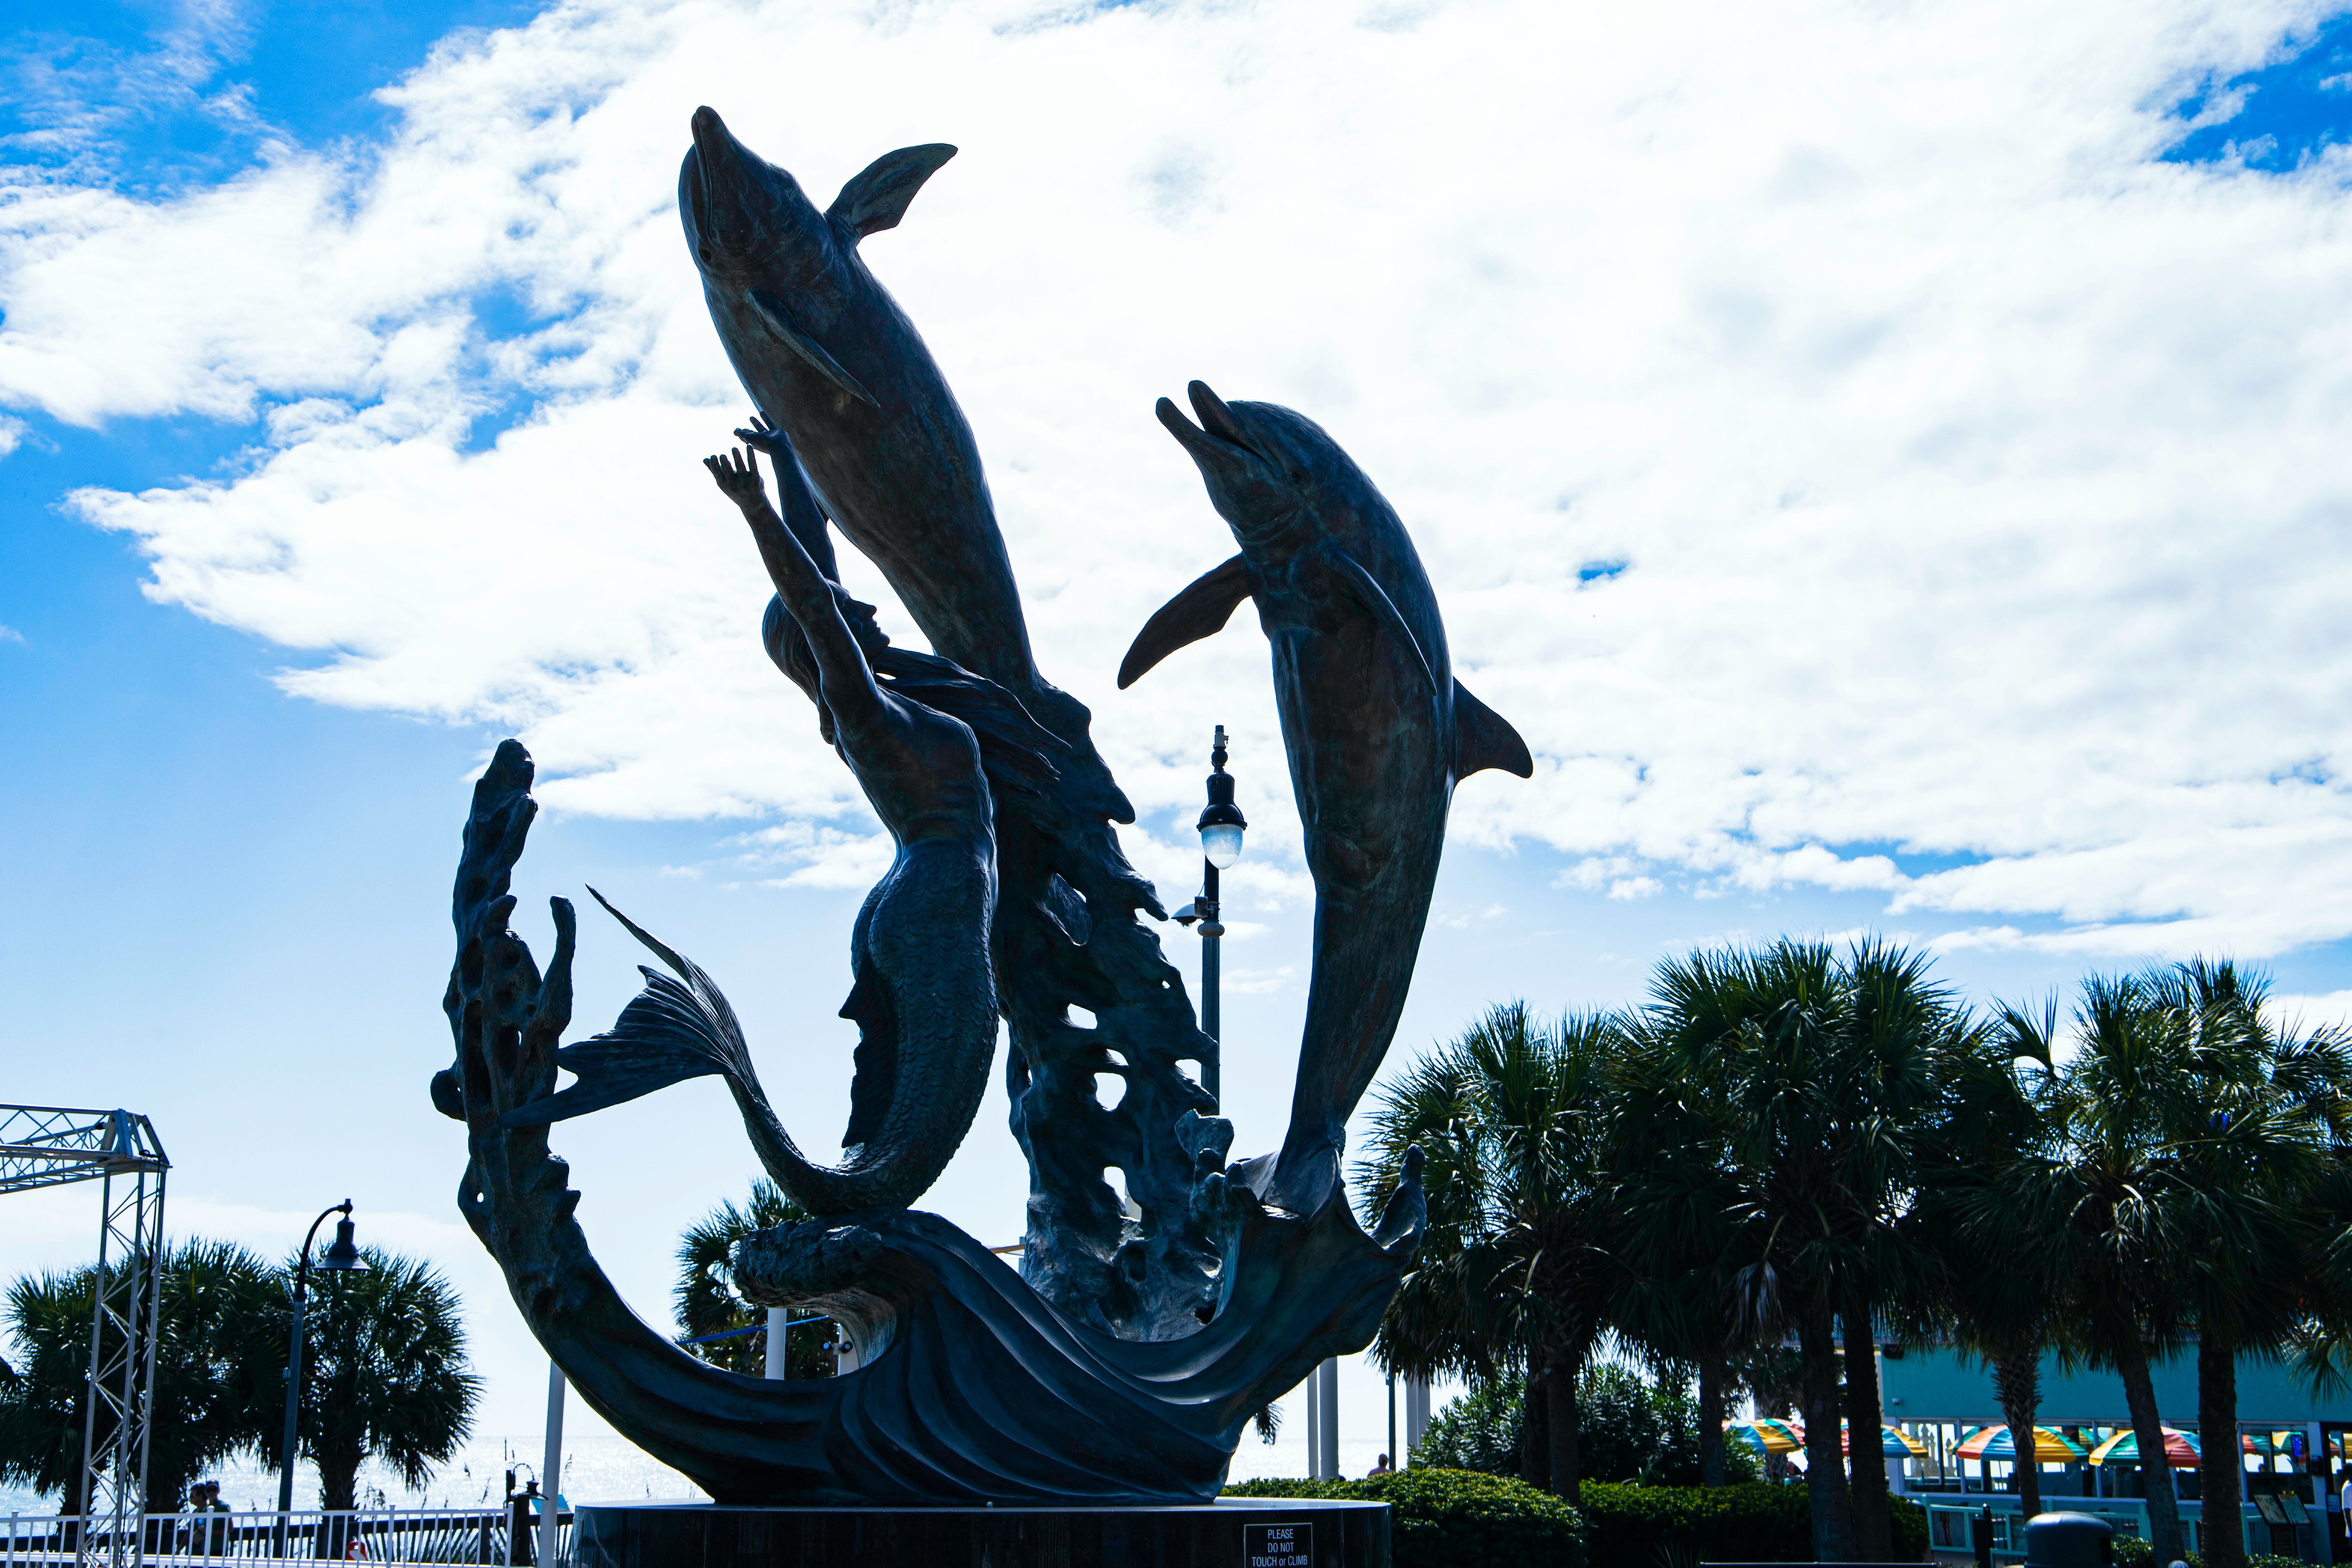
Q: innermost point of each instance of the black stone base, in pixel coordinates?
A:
(1233, 1532)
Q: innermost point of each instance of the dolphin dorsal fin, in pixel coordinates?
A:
(1202, 610)
(1485, 738)
(876, 197)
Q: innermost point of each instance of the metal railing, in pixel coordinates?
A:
(473, 1535)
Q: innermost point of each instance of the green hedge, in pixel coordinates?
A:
(1443, 1518)
(2139, 1552)
(1633, 1526)
(1456, 1518)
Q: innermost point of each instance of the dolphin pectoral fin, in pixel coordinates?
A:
(1485, 738)
(1200, 611)
(779, 320)
(876, 197)
(1367, 591)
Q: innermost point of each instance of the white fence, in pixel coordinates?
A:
(385, 1535)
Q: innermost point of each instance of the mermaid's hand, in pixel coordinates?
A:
(763, 436)
(737, 473)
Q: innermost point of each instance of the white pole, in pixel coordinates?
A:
(550, 1472)
(1416, 1415)
(779, 1320)
(1326, 1383)
(1314, 1426)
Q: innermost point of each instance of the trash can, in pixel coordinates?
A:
(2069, 1540)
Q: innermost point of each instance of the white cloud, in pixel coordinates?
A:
(1980, 479)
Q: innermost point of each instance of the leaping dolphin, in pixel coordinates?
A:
(832, 361)
(1377, 729)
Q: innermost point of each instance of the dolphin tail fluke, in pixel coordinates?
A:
(876, 197)
(1485, 738)
(1200, 611)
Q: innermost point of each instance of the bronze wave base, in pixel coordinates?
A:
(1236, 1532)
(973, 1388)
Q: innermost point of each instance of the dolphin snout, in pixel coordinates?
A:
(720, 193)
(1216, 418)
(711, 137)
(1217, 438)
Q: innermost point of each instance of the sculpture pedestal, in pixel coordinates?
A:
(1233, 1532)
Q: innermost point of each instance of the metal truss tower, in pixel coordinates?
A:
(46, 1146)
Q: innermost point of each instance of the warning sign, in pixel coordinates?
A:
(1277, 1546)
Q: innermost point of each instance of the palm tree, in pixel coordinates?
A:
(385, 1375)
(705, 1302)
(219, 1349)
(1992, 1287)
(1512, 1121)
(1682, 1216)
(2255, 1160)
(2107, 1203)
(1901, 1031)
(1814, 1073)
(1758, 1029)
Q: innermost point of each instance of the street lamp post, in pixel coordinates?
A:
(1222, 825)
(341, 1256)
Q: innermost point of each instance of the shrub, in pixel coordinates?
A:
(1478, 1430)
(1628, 1429)
(2139, 1552)
(1633, 1526)
(1455, 1518)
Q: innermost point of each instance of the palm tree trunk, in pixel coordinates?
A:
(1535, 1433)
(2156, 1470)
(2224, 1481)
(1873, 1530)
(339, 1486)
(1824, 1466)
(1567, 1467)
(2017, 1383)
(1710, 1420)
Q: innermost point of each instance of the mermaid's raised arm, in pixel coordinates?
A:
(848, 680)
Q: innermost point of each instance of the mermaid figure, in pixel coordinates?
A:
(924, 995)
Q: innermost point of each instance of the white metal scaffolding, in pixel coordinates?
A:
(46, 1146)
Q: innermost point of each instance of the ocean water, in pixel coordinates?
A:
(599, 1468)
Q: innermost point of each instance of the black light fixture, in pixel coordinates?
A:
(1222, 825)
(341, 1256)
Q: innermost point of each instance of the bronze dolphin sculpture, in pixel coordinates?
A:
(1377, 729)
(832, 361)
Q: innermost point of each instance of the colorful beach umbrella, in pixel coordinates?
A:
(1995, 1443)
(1893, 1444)
(1767, 1436)
(2123, 1448)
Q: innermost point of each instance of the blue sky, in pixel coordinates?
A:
(1904, 497)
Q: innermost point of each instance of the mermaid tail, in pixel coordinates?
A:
(924, 1003)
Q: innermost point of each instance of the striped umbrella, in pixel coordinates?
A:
(1893, 1444)
(1995, 1443)
(2123, 1448)
(1767, 1436)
